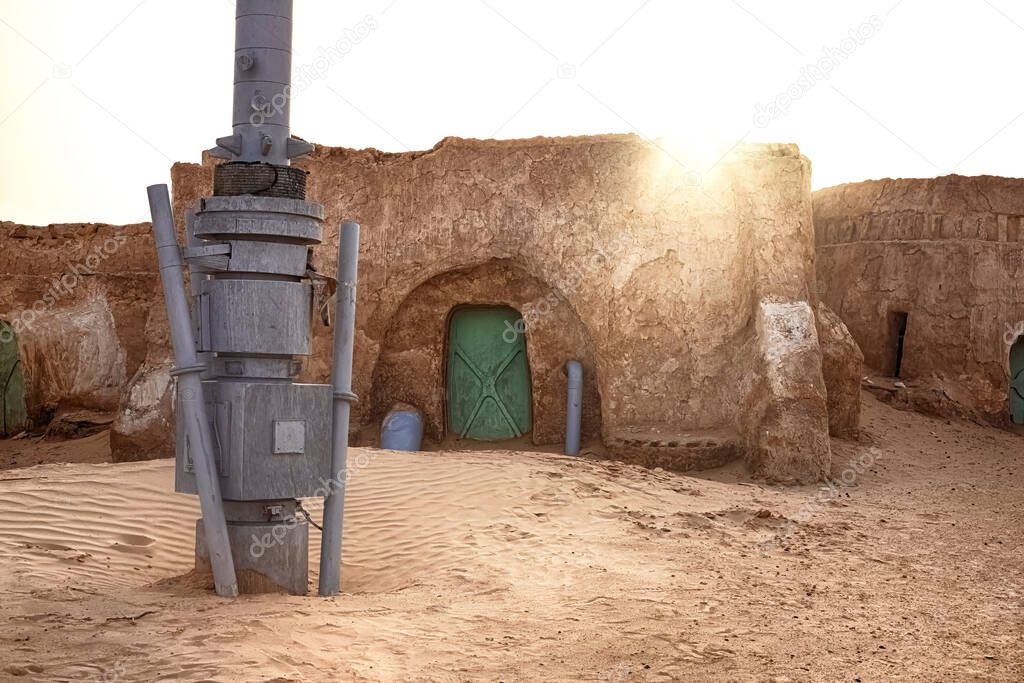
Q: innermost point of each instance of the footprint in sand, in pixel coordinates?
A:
(49, 546)
(708, 606)
(132, 543)
(135, 539)
(695, 520)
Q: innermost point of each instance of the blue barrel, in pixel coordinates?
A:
(402, 429)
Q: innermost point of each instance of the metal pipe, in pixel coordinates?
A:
(574, 407)
(344, 340)
(190, 391)
(262, 98)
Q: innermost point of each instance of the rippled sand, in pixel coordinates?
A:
(515, 566)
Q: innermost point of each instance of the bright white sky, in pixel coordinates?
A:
(97, 98)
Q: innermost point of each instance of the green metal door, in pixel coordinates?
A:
(488, 376)
(1017, 382)
(13, 417)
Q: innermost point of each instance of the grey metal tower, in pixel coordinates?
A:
(250, 439)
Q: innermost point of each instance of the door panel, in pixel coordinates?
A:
(488, 375)
(13, 416)
(1017, 382)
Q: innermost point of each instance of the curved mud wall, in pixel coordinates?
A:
(690, 278)
(949, 252)
(684, 284)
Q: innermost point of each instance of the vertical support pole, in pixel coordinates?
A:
(344, 340)
(190, 391)
(574, 407)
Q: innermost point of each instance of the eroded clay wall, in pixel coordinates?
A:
(683, 284)
(79, 297)
(947, 251)
(653, 266)
(676, 269)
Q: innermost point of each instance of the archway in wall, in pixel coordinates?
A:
(1017, 381)
(412, 365)
(13, 413)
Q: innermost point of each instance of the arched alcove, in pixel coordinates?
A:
(411, 366)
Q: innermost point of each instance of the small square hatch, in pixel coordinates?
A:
(289, 437)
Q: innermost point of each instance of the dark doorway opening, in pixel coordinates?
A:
(898, 334)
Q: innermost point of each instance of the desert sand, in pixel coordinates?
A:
(516, 566)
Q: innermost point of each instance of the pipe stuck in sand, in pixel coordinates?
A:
(192, 405)
(344, 341)
(574, 407)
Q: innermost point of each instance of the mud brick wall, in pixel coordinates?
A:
(947, 251)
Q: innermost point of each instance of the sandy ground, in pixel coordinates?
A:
(31, 450)
(512, 566)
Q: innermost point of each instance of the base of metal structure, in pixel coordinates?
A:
(269, 543)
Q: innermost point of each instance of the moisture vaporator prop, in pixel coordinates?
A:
(250, 440)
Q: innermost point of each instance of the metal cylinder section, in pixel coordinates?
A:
(252, 315)
(263, 64)
(402, 429)
(341, 381)
(262, 180)
(278, 219)
(265, 439)
(245, 316)
(254, 307)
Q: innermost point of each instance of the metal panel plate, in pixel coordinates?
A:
(268, 257)
(289, 437)
(488, 377)
(250, 467)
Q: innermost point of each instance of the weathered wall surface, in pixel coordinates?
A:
(79, 297)
(143, 427)
(785, 417)
(842, 367)
(950, 253)
(684, 289)
(668, 272)
(416, 344)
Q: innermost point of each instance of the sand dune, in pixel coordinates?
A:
(514, 566)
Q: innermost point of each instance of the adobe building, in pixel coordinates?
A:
(929, 277)
(686, 291)
(74, 307)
